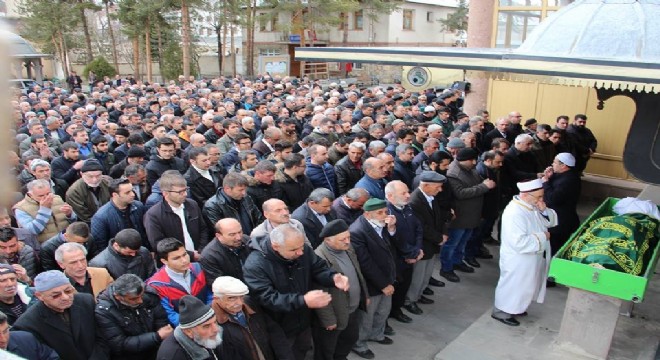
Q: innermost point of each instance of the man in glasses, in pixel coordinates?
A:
(63, 319)
(176, 216)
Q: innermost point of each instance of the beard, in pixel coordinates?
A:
(379, 223)
(209, 343)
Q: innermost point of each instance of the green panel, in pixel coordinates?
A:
(602, 281)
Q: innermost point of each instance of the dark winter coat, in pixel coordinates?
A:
(375, 254)
(279, 285)
(294, 192)
(157, 166)
(109, 220)
(26, 345)
(131, 333)
(322, 176)
(468, 190)
(433, 219)
(403, 172)
(562, 193)
(220, 206)
(311, 223)
(161, 222)
(219, 260)
(117, 265)
(77, 341)
(201, 188)
(347, 175)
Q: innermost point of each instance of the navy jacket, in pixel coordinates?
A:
(311, 223)
(375, 255)
(408, 241)
(25, 345)
(375, 188)
(322, 176)
(109, 220)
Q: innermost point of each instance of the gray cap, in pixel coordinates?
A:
(456, 143)
(50, 279)
(432, 177)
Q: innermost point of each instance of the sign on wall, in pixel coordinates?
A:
(274, 65)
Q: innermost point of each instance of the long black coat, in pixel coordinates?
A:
(294, 192)
(518, 166)
(161, 222)
(201, 188)
(562, 192)
(311, 223)
(434, 221)
(347, 175)
(78, 341)
(375, 254)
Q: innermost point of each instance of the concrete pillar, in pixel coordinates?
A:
(38, 71)
(588, 324)
(480, 28)
(18, 67)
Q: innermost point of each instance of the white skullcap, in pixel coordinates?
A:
(429, 108)
(529, 186)
(230, 286)
(566, 158)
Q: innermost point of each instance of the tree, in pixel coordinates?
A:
(111, 31)
(80, 7)
(54, 35)
(458, 20)
(100, 67)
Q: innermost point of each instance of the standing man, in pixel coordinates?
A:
(231, 201)
(468, 189)
(348, 170)
(582, 141)
(337, 325)
(63, 319)
(90, 192)
(372, 235)
(374, 178)
(287, 299)
(315, 214)
(408, 245)
(524, 253)
(562, 186)
(226, 253)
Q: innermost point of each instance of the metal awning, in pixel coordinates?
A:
(503, 64)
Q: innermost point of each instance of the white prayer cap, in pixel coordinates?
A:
(566, 158)
(529, 186)
(229, 286)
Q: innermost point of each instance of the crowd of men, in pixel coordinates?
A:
(228, 218)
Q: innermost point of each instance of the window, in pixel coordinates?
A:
(357, 65)
(263, 21)
(429, 16)
(517, 18)
(270, 52)
(358, 18)
(408, 19)
(274, 22)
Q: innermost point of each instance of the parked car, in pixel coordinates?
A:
(24, 85)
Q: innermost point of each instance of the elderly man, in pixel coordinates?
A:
(336, 328)
(63, 319)
(276, 213)
(524, 253)
(254, 335)
(408, 246)
(138, 339)
(288, 307)
(231, 201)
(372, 235)
(225, 255)
(562, 186)
(349, 205)
(40, 169)
(468, 189)
(373, 180)
(421, 161)
(265, 146)
(125, 255)
(315, 213)
(197, 337)
(15, 295)
(500, 131)
(41, 212)
(90, 192)
(72, 259)
(519, 165)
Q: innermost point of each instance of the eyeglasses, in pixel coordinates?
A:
(6, 331)
(68, 292)
(180, 192)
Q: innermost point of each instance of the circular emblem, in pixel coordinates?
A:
(418, 76)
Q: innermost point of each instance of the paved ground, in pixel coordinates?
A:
(458, 326)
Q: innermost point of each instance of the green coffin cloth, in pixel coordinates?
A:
(622, 243)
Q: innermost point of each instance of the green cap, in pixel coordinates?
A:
(374, 204)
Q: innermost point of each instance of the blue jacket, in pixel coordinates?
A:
(109, 220)
(375, 188)
(25, 345)
(408, 241)
(322, 176)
